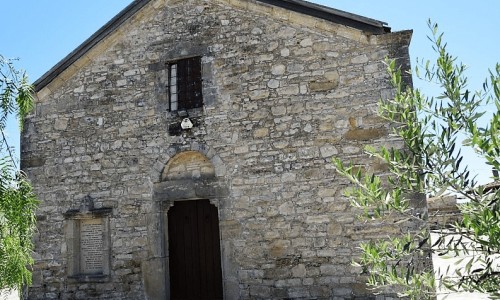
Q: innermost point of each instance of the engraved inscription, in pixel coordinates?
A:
(91, 246)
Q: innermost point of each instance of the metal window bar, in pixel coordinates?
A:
(172, 87)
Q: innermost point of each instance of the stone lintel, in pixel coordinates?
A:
(96, 212)
(188, 189)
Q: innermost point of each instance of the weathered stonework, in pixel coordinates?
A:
(283, 93)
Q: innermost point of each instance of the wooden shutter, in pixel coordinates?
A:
(189, 83)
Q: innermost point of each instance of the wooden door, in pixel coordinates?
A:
(194, 249)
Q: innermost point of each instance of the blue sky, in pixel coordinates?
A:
(42, 32)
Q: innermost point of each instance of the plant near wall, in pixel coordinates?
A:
(17, 201)
(435, 130)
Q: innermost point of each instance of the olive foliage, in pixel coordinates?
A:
(435, 131)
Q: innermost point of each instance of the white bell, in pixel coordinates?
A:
(186, 124)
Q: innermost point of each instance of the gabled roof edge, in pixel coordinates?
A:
(333, 15)
(99, 35)
(312, 9)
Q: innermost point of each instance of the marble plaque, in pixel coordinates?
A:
(91, 246)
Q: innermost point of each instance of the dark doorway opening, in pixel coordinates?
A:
(194, 250)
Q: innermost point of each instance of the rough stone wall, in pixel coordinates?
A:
(283, 93)
(443, 211)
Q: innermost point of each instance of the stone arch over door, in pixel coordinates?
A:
(187, 174)
(166, 158)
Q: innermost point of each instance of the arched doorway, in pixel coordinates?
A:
(192, 239)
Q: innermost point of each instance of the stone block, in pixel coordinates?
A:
(259, 94)
(299, 271)
(360, 134)
(260, 291)
(328, 151)
(323, 86)
(342, 291)
(154, 282)
(317, 219)
(261, 132)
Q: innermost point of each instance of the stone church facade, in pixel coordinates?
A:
(184, 152)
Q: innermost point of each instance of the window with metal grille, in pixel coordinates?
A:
(184, 84)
